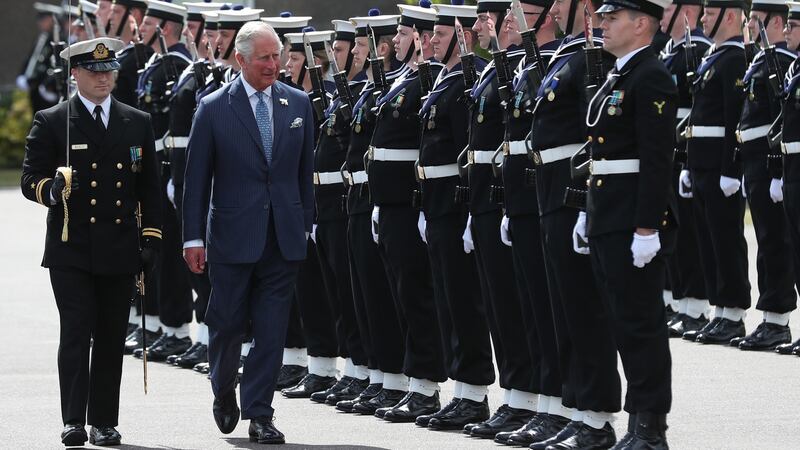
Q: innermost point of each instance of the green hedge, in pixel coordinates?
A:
(15, 121)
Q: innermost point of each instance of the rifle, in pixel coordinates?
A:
(467, 59)
(423, 66)
(532, 52)
(749, 45)
(320, 100)
(691, 77)
(593, 54)
(199, 67)
(139, 49)
(169, 64)
(140, 287)
(376, 64)
(342, 85)
(500, 58)
(775, 75)
(57, 63)
(216, 71)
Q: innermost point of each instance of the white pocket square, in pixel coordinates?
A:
(297, 122)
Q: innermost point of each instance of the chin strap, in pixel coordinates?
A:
(450, 48)
(155, 35)
(717, 23)
(573, 7)
(349, 63)
(200, 30)
(122, 23)
(673, 18)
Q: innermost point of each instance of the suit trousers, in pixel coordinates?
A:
(260, 294)
(407, 268)
(199, 283)
(461, 311)
(335, 267)
(382, 335)
(685, 272)
(537, 313)
(723, 249)
(633, 297)
(91, 307)
(587, 352)
(319, 329)
(791, 206)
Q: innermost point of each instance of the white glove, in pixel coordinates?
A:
(469, 246)
(422, 226)
(729, 185)
(685, 184)
(644, 248)
(22, 83)
(776, 190)
(505, 232)
(580, 243)
(171, 192)
(313, 235)
(375, 215)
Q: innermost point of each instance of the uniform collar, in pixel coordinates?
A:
(624, 60)
(90, 105)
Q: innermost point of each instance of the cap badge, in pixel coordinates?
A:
(100, 52)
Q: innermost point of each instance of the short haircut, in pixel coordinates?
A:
(249, 32)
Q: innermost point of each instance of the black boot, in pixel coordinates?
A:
(466, 411)
(368, 394)
(767, 336)
(509, 419)
(423, 420)
(588, 438)
(413, 406)
(650, 433)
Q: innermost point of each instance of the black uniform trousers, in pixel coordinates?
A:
(537, 313)
(331, 239)
(587, 352)
(791, 206)
(462, 313)
(495, 266)
(91, 307)
(199, 283)
(382, 335)
(723, 249)
(312, 301)
(685, 272)
(408, 271)
(294, 331)
(635, 303)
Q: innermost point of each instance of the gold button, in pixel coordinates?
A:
(664, 223)
(666, 213)
(92, 219)
(589, 138)
(118, 221)
(94, 184)
(93, 202)
(119, 184)
(119, 165)
(94, 165)
(600, 139)
(599, 182)
(119, 202)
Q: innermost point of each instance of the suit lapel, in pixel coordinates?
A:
(241, 107)
(83, 120)
(279, 121)
(116, 129)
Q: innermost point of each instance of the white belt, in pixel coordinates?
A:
(549, 155)
(516, 148)
(322, 178)
(431, 172)
(683, 112)
(480, 156)
(354, 178)
(393, 154)
(614, 167)
(751, 134)
(695, 131)
(176, 142)
(790, 148)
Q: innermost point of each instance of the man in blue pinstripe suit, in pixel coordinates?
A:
(248, 206)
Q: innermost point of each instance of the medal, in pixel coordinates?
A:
(431, 116)
(614, 102)
(431, 124)
(480, 118)
(551, 96)
(481, 105)
(395, 114)
(357, 128)
(516, 113)
(612, 110)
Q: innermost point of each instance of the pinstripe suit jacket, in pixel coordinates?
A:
(230, 191)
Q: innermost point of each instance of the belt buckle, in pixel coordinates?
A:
(316, 178)
(783, 148)
(371, 153)
(348, 177)
(739, 136)
(591, 167)
(537, 158)
(506, 148)
(471, 157)
(421, 172)
(688, 132)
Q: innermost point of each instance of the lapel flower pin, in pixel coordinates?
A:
(284, 102)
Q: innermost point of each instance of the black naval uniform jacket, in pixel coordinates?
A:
(128, 75)
(641, 125)
(152, 86)
(519, 195)
(181, 113)
(718, 99)
(116, 169)
(791, 122)
(761, 108)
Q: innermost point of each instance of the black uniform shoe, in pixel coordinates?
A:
(366, 395)
(786, 349)
(468, 427)
(290, 375)
(670, 313)
(386, 398)
(503, 436)
(171, 358)
(381, 411)
(692, 335)
(506, 419)
(74, 435)
(684, 323)
(353, 390)
(567, 432)
(649, 434)
(321, 396)
(170, 345)
(308, 385)
(226, 412)
(414, 405)
(725, 330)
(466, 411)
(104, 436)
(423, 420)
(134, 340)
(629, 433)
(131, 328)
(588, 438)
(202, 367)
(766, 336)
(197, 354)
(263, 431)
(547, 427)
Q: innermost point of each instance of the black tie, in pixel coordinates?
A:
(98, 117)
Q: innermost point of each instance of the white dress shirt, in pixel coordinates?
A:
(624, 60)
(90, 105)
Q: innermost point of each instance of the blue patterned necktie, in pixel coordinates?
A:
(264, 125)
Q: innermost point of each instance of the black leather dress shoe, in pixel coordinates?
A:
(692, 334)
(290, 375)
(74, 435)
(353, 390)
(466, 411)
(503, 436)
(263, 431)
(413, 405)
(629, 433)
(226, 412)
(684, 323)
(786, 349)
(131, 328)
(588, 438)
(423, 420)
(366, 395)
(547, 426)
(386, 398)
(766, 336)
(321, 396)
(195, 355)
(725, 330)
(379, 413)
(104, 436)
(648, 434)
(308, 385)
(202, 367)
(506, 419)
(567, 432)
(670, 313)
(468, 427)
(166, 346)
(134, 340)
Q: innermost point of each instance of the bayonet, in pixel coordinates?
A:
(500, 58)
(342, 85)
(376, 63)
(320, 97)
(467, 58)
(423, 66)
(532, 52)
(169, 64)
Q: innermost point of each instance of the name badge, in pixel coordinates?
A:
(79, 146)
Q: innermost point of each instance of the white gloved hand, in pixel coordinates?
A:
(644, 248)
(580, 243)
(422, 226)
(375, 215)
(313, 235)
(469, 246)
(505, 232)
(776, 190)
(685, 184)
(171, 192)
(22, 83)
(729, 185)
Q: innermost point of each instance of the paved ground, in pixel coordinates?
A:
(723, 398)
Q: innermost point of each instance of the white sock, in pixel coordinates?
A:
(152, 323)
(458, 389)
(375, 376)
(295, 357)
(133, 317)
(597, 420)
(577, 416)
(395, 381)
(321, 366)
(542, 404)
(734, 314)
(556, 408)
(202, 333)
(474, 392)
(180, 332)
(523, 400)
(777, 318)
(670, 301)
(361, 372)
(422, 386)
(718, 311)
(683, 304)
(696, 307)
(349, 368)
(246, 348)
(506, 396)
